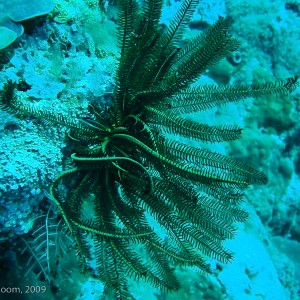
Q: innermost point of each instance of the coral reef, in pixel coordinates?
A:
(74, 54)
(16, 11)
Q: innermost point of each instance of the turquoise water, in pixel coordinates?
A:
(67, 59)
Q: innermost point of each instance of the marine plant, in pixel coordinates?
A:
(133, 167)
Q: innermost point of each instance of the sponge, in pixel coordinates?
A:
(14, 11)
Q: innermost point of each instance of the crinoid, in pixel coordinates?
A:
(128, 166)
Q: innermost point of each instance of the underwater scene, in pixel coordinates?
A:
(149, 149)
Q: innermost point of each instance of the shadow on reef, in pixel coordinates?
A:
(133, 167)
